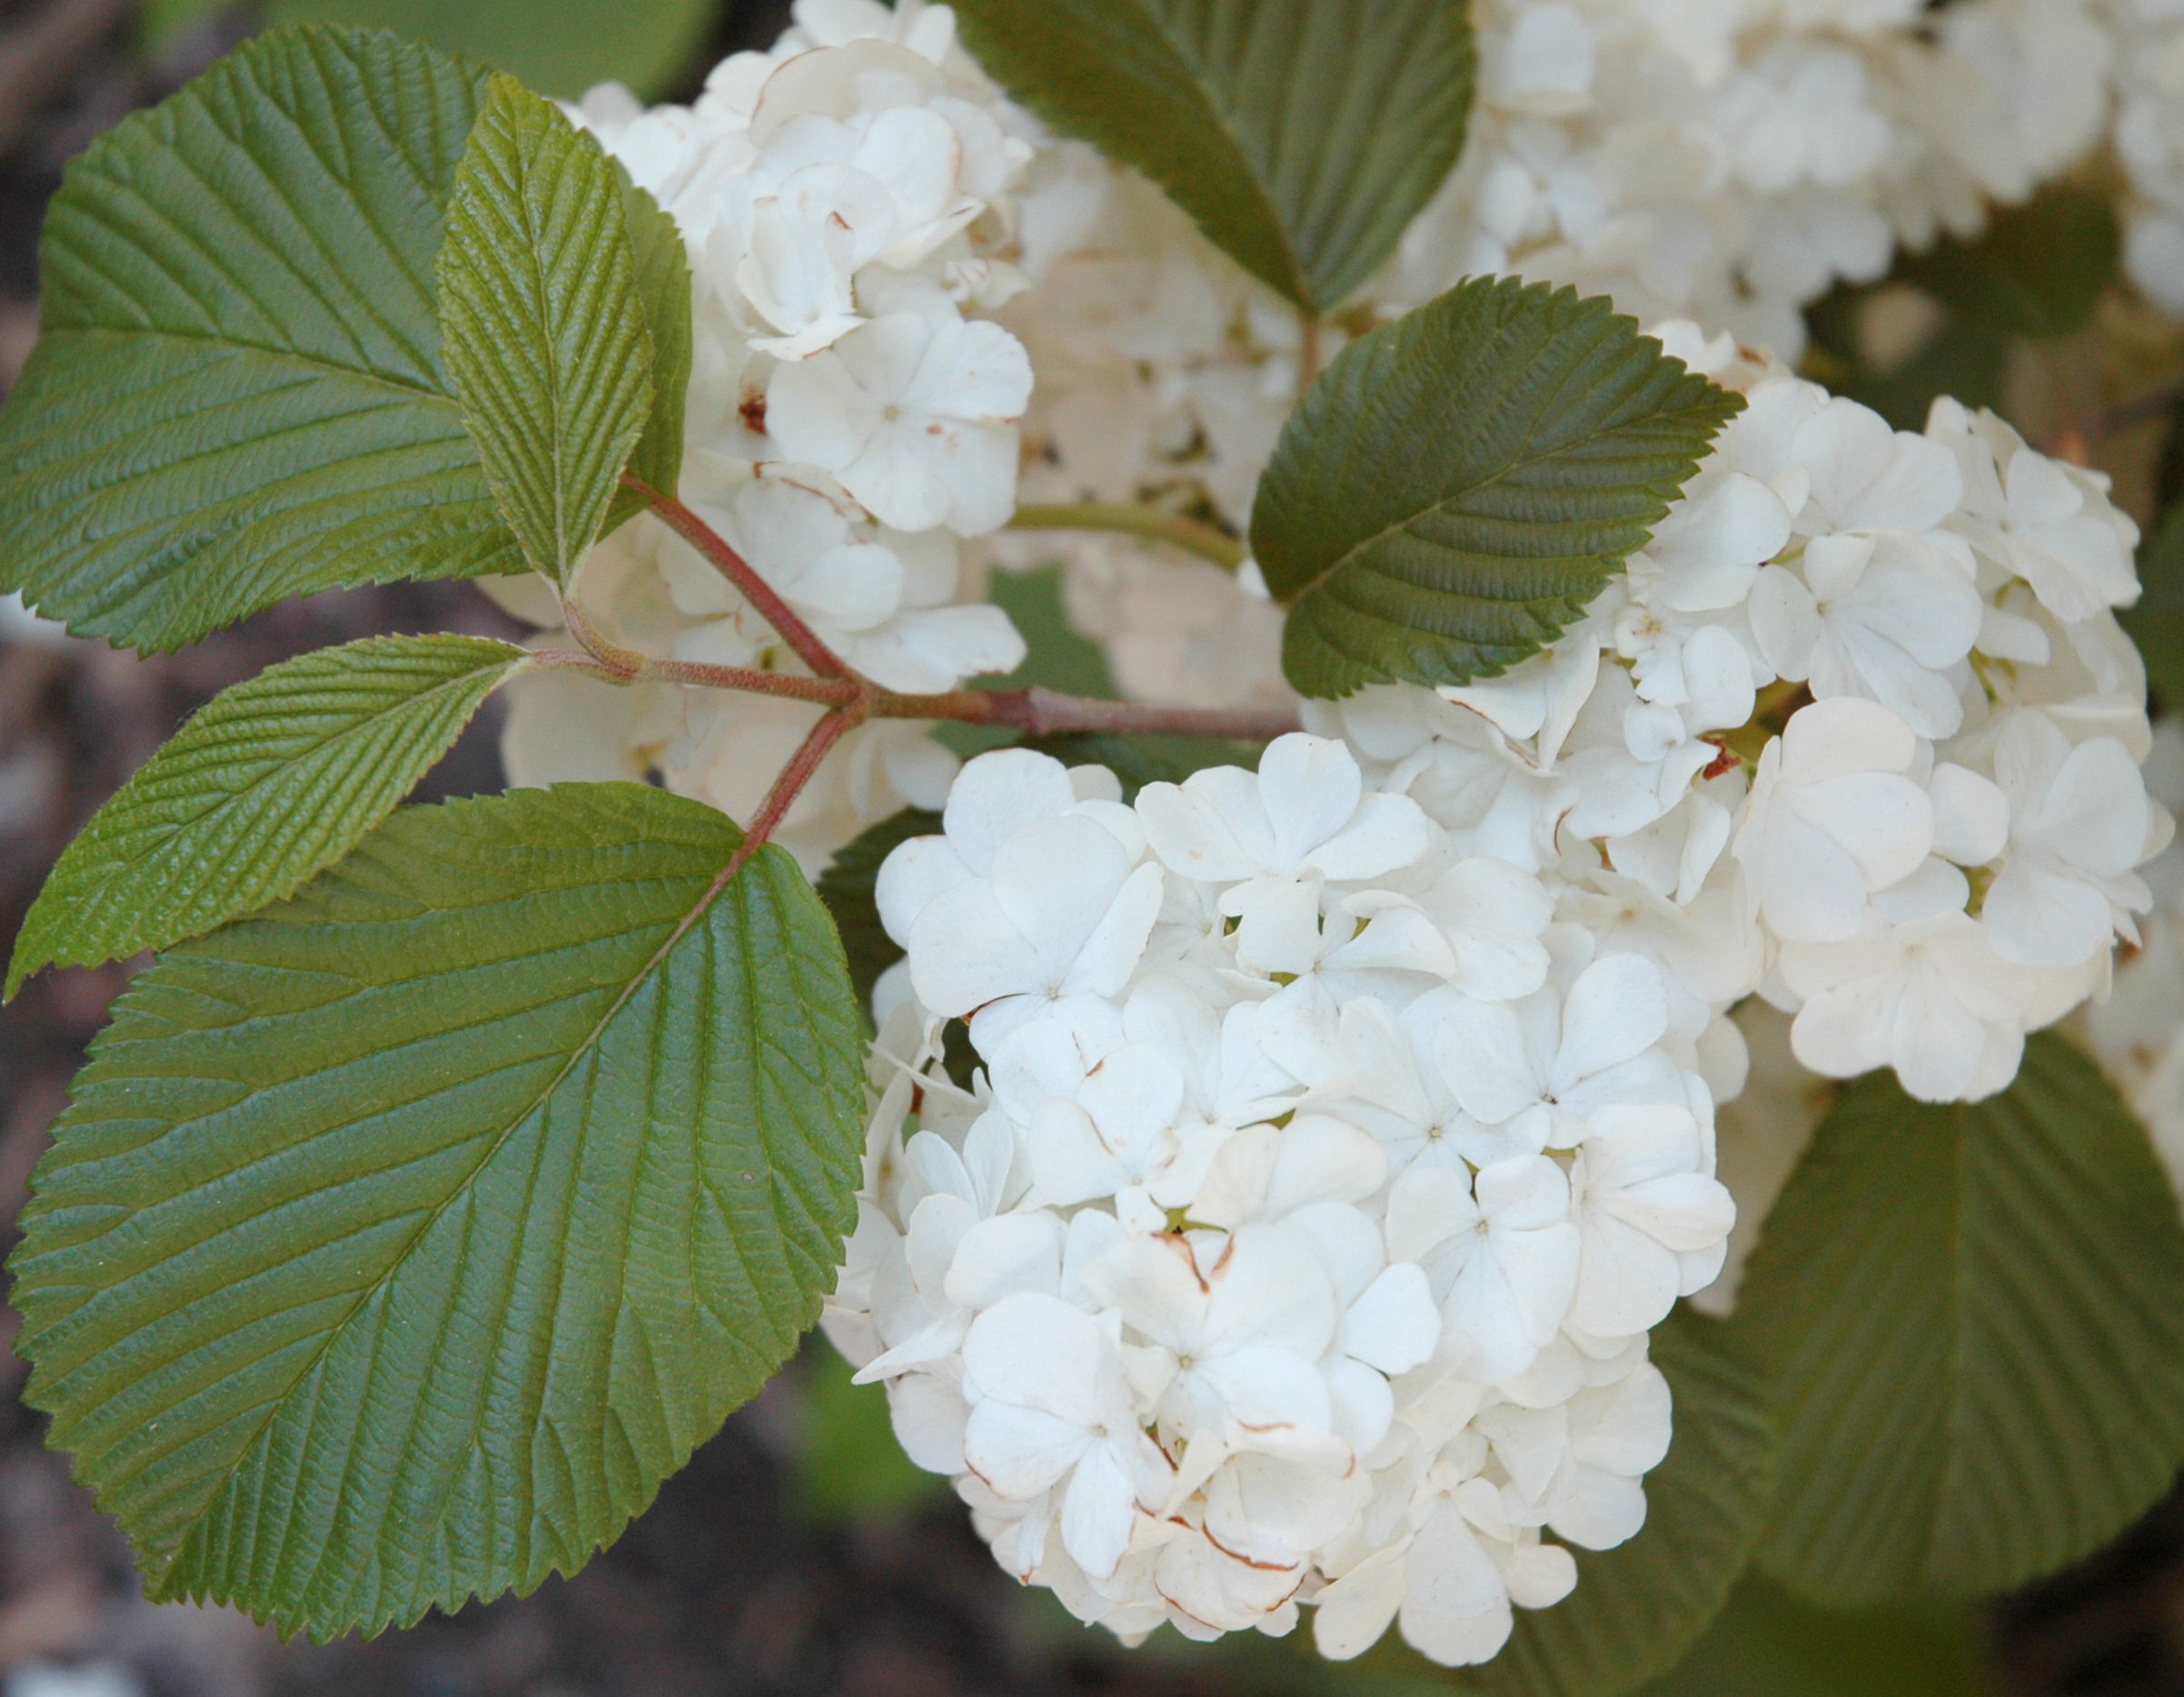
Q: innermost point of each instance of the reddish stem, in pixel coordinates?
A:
(738, 571)
(829, 731)
(1041, 713)
(833, 691)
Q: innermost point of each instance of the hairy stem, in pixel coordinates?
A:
(738, 570)
(1041, 712)
(1138, 520)
(790, 784)
(851, 698)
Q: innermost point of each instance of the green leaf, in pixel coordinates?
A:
(2036, 271)
(271, 781)
(400, 1241)
(1638, 1608)
(1458, 484)
(2157, 624)
(1766, 1644)
(559, 47)
(1973, 1319)
(1302, 135)
(547, 348)
(662, 270)
(237, 394)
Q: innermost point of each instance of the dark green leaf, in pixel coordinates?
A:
(271, 782)
(1973, 1319)
(1637, 1609)
(1302, 135)
(400, 1241)
(546, 343)
(1460, 483)
(663, 291)
(1766, 1644)
(559, 47)
(237, 394)
(2157, 624)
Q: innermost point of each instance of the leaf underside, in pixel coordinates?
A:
(1302, 135)
(1974, 1324)
(401, 1240)
(237, 393)
(1639, 1607)
(546, 345)
(1459, 484)
(271, 781)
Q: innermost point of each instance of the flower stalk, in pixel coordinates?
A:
(1136, 519)
(851, 698)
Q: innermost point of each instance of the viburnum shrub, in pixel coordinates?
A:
(1259, 1141)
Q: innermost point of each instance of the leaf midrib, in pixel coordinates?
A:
(1454, 495)
(317, 366)
(497, 1142)
(1300, 290)
(100, 887)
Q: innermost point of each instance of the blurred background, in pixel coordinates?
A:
(799, 1552)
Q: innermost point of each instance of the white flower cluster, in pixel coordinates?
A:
(1938, 852)
(1345, 1127)
(1301, 1239)
(843, 200)
(1723, 162)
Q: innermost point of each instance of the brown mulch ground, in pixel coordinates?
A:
(722, 1587)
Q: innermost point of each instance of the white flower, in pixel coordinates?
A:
(1832, 817)
(916, 420)
(994, 797)
(1230, 1349)
(2078, 822)
(1121, 1130)
(1617, 1433)
(1048, 1399)
(1883, 616)
(1650, 1214)
(1929, 997)
(1540, 1068)
(2048, 522)
(1504, 1265)
(1303, 819)
(1063, 915)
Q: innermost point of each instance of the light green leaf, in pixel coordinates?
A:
(1302, 135)
(1460, 483)
(559, 47)
(1638, 1608)
(664, 293)
(1973, 1319)
(237, 394)
(271, 782)
(2157, 624)
(400, 1240)
(547, 348)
